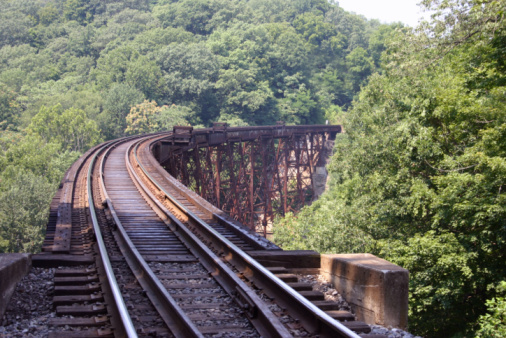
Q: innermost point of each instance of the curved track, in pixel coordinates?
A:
(150, 258)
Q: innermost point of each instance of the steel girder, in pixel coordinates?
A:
(253, 174)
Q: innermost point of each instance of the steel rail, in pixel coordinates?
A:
(257, 311)
(126, 326)
(171, 313)
(310, 315)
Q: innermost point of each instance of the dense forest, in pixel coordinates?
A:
(417, 178)
(77, 72)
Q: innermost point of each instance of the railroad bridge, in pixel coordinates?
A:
(253, 173)
(139, 253)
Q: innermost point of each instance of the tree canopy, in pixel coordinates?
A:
(253, 61)
(76, 72)
(419, 176)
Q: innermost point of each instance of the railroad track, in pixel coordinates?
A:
(150, 259)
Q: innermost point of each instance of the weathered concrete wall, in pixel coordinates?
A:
(376, 289)
(13, 267)
(320, 173)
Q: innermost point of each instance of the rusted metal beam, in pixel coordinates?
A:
(252, 173)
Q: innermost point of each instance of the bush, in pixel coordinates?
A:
(493, 324)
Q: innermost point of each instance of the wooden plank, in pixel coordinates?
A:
(75, 280)
(74, 272)
(76, 289)
(93, 321)
(80, 310)
(341, 315)
(300, 286)
(287, 259)
(287, 277)
(359, 327)
(312, 295)
(67, 300)
(171, 259)
(55, 260)
(326, 305)
(102, 333)
(192, 286)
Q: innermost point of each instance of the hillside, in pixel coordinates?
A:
(74, 73)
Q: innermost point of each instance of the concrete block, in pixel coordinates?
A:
(13, 267)
(376, 289)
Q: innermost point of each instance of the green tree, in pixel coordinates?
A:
(70, 128)
(197, 16)
(493, 324)
(421, 167)
(360, 66)
(48, 14)
(442, 280)
(113, 66)
(189, 71)
(8, 108)
(146, 76)
(148, 117)
(173, 115)
(14, 27)
(30, 172)
(141, 119)
(118, 101)
(300, 107)
(81, 11)
(24, 210)
(30, 153)
(313, 28)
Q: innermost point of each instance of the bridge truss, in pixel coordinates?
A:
(251, 173)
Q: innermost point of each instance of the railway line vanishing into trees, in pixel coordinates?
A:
(139, 254)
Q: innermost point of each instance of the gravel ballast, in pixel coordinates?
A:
(31, 307)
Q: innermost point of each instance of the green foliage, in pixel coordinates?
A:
(420, 170)
(8, 108)
(441, 280)
(31, 153)
(198, 16)
(30, 172)
(360, 66)
(300, 107)
(48, 14)
(321, 228)
(120, 98)
(313, 28)
(71, 71)
(252, 62)
(147, 117)
(173, 115)
(493, 324)
(189, 71)
(23, 210)
(81, 11)
(70, 128)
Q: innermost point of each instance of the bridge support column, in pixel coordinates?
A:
(13, 267)
(376, 289)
